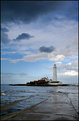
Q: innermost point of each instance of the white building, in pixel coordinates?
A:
(54, 73)
(54, 80)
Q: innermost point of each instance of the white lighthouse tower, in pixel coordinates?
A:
(54, 81)
(54, 73)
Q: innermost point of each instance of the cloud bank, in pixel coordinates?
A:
(26, 11)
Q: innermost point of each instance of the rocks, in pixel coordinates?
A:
(41, 82)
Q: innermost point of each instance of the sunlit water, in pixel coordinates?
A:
(35, 94)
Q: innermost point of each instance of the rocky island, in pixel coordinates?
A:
(45, 81)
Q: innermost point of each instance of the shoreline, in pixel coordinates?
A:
(42, 85)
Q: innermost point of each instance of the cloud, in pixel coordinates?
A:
(69, 63)
(57, 58)
(38, 57)
(23, 36)
(31, 58)
(70, 73)
(59, 62)
(4, 29)
(27, 11)
(72, 65)
(4, 37)
(43, 36)
(3, 58)
(8, 52)
(14, 11)
(68, 66)
(46, 49)
(35, 57)
(15, 60)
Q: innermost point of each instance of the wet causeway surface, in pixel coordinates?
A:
(44, 104)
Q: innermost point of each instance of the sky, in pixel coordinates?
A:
(35, 35)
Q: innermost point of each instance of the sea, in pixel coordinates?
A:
(31, 95)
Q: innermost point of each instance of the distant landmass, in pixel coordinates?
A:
(42, 82)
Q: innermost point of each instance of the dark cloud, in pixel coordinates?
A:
(4, 30)
(4, 36)
(47, 49)
(23, 36)
(5, 39)
(26, 11)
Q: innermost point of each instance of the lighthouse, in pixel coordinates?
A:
(54, 73)
(54, 81)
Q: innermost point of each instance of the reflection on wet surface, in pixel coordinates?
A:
(43, 101)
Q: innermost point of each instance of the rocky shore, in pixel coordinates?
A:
(40, 85)
(42, 82)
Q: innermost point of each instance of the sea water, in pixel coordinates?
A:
(34, 94)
